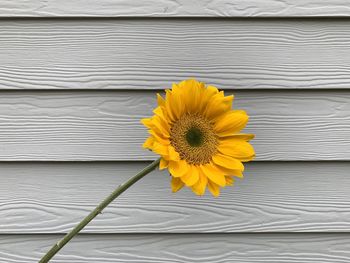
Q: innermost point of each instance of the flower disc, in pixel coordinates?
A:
(197, 135)
(194, 139)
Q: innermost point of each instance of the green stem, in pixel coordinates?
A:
(119, 190)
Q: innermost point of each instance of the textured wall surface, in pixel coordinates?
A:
(174, 8)
(77, 76)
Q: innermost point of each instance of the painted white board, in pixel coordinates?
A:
(273, 196)
(67, 126)
(151, 54)
(174, 8)
(233, 248)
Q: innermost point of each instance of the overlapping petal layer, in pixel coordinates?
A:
(197, 135)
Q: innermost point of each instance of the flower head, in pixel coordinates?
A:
(196, 133)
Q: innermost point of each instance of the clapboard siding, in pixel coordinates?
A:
(253, 248)
(174, 8)
(273, 196)
(150, 54)
(105, 125)
(73, 91)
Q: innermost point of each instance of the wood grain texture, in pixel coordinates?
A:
(174, 8)
(273, 197)
(236, 248)
(67, 126)
(151, 54)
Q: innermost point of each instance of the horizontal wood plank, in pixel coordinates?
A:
(173, 8)
(273, 197)
(256, 248)
(70, 126)
(151, 54)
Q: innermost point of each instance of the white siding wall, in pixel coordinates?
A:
(72, 92)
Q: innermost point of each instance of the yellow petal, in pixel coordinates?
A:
(160, 149)
(178, 168)
(213, 174)
(159, 138)
(212, 90)
(228, 162)
(231, 172)
(231, 123)
(148, 143)
(238, 149)
(206, 96)
(199, 187)
(192, 94)
(147, 122)
(214, 189)
(156, 129)
(218, 106)
(168, 105)
(201, 96)
(229, 180)
(160, 100)
(163, 119)
(163, 164)
(191, 176)
(177, 103)
(160, 127)
(176, 184)
(241, 136)
(173, 155)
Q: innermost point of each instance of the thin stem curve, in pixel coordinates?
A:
(118, 191)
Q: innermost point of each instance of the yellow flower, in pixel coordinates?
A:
(196, 133)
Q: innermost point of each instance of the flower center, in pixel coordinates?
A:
(194, 139)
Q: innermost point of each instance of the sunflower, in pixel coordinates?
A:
(196, 133)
